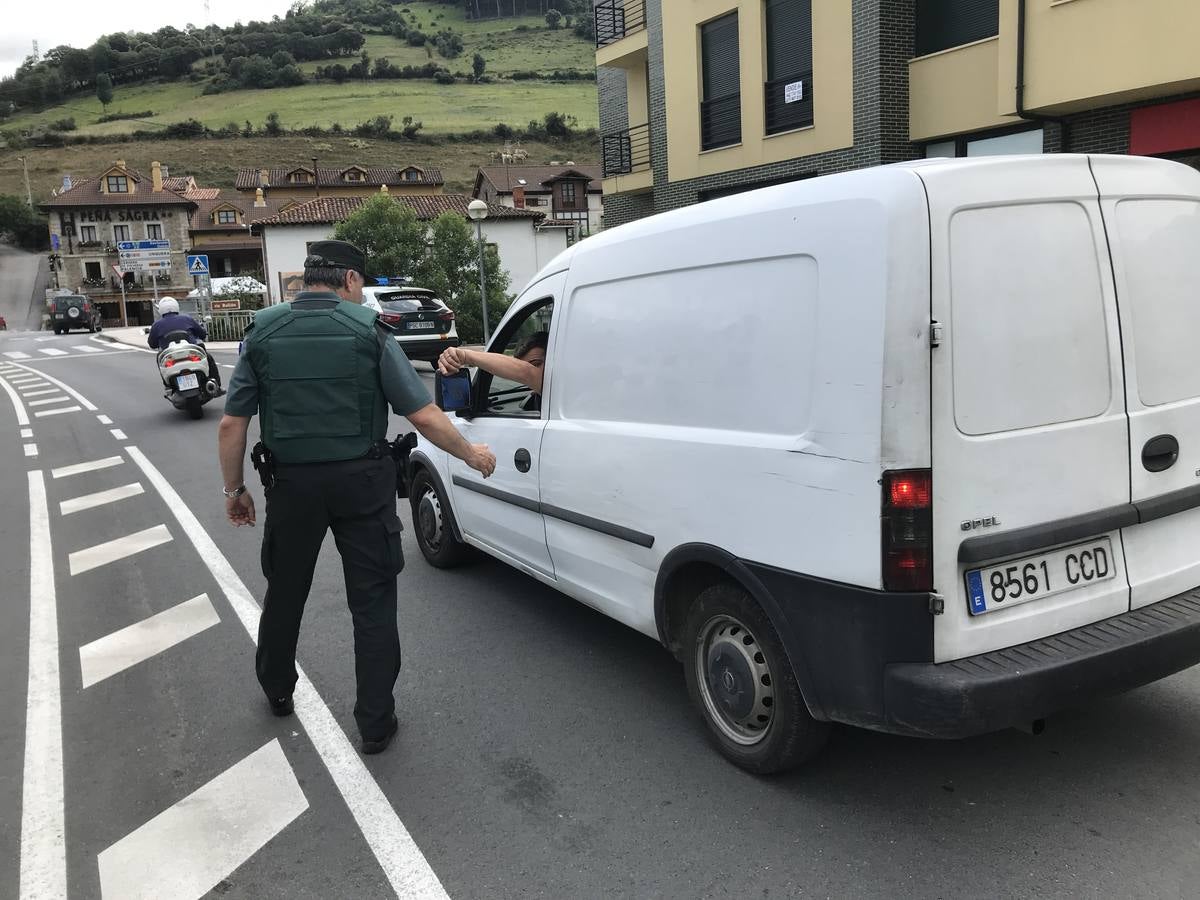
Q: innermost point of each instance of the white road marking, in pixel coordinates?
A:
(101, 498)
(41, 392)
(46, 338)
(406, 868)
(31, 450)
(56, 412)
(80, 468)
(43, 834)
(83, 401)
(118, 345)
(88, 348)
(111, 551)
(52, 351)
(18, 406)
(16, 354)
(223, 366)
(104, 420)
(24, 378)
(139, 642)
(26, 432)
(61, 398)
(119, 434)
(186, 850)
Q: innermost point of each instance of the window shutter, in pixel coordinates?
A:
(789, 38)
(942, 24)
(721, 108)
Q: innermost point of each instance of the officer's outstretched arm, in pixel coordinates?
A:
(433, 425)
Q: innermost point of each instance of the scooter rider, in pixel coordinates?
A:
(173, 320)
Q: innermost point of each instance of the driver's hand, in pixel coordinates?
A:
(451, 360)
(482, 460)
(240, 510)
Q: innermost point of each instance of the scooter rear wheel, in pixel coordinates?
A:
(195, 409)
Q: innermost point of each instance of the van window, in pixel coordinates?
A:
(1028, 332)
(1160, 252)
(727, 346)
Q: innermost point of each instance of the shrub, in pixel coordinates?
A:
(189, 128)
(554, 19)
(416, 38)
(444, 78)
(63, 125)
(271, 127)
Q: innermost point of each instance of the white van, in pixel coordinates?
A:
(914, 448)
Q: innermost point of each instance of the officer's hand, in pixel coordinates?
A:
(451, 360)
(482, 460)
(240, 510)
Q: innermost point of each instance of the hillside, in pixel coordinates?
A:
(508, 46)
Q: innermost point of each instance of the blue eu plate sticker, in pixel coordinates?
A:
(975, 590)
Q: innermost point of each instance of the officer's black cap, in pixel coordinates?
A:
(335, 255)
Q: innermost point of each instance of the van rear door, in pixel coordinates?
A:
(1152, 212)
(1030, 437)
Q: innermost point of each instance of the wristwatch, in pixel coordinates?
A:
(236, 492)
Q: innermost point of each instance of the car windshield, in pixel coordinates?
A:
(402, 303)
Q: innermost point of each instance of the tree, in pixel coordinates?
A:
(554, 19)
(104, 89)
(451, 270)
(272, 126)
(389, 233)
(20, 225)
(478, 64)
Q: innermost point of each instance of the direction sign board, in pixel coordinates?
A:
(226, 305)
(125, 246)
(145, 256)
(197, 264)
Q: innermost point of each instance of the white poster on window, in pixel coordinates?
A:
(794, 92)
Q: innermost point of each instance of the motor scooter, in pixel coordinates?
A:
(183, 368)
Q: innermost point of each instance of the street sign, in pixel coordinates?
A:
(55, 243)
(120, 272)
(197, 264)
(147, 257)
(226, 305)
(125, 246)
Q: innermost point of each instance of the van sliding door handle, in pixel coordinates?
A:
(1160, 453)
(522, 460)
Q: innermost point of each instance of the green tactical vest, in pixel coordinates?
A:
(320, 397)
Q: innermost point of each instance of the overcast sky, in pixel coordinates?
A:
(79, 22)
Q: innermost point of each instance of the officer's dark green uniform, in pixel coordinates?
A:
(321, 373)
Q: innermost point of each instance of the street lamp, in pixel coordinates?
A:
(478, 211)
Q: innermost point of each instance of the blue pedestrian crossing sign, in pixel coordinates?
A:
(197, 265)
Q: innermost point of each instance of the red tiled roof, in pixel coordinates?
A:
(326, 210)
(202, 215)
(538, 179)
(330, 176)
(202, 193)
(87, 193)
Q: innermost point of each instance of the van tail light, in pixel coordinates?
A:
(908, 530)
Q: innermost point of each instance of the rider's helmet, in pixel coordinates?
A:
(168, 305)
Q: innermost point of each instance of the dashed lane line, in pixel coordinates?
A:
(26, 433)
(120, 548)
(79, 468)
(100, 498)
(405, 867)
(57, 412)
(119, 434)
(186, 850)
(43, 833)
(52, 351)
(31, 450)
(104, 420)
(142, 640)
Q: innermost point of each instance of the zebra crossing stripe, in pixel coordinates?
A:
(112, 551)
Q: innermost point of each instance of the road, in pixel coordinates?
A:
(544, 751)
(22, 274)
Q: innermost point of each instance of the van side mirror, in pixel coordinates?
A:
(452, 393)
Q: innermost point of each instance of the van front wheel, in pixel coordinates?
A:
(739, 677)
(433, 521)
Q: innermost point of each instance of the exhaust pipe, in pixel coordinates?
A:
(1036, 727)
(211, 387)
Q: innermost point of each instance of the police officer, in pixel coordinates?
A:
(321, 372)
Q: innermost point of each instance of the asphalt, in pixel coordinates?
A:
(22, 288)
(544, 750)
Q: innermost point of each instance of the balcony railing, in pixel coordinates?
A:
(788, 102)
(617, 18)
(721, 122)
(625, 152)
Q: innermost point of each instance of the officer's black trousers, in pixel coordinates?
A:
(357, 500)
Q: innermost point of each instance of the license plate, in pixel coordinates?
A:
(187, 382)
(422, 326)
(1034, 577)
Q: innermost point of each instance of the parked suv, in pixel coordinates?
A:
(74, 311)
(424, 325)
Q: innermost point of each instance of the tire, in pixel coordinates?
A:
(195, 409)
(729, 648)
(433, 523)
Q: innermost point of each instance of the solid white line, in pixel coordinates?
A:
(104, 420)
(18, 406)
(111, 551)
(187, 849)
(31, 450)
(41, 392)
(56, 412)
(397, 853)
(80, 468)
(139, 642)
(83, 401)
(52, 351)
(59, 399)
(101, 498)
(26, 432)
(119, 434)
(16, 354)
(43, 834)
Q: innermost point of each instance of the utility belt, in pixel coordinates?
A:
(265, 463)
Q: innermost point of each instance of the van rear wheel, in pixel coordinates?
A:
(433, 521)
(741, 681)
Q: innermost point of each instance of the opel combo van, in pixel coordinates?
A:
(914, 448)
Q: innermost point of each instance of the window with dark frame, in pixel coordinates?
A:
(93, 270)
(154, 232)
(568, 193)
(226, 217)
(721, 103)
(787, 96)
(118, 184)
(942, 24)
(121, 233)
(87, 234)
